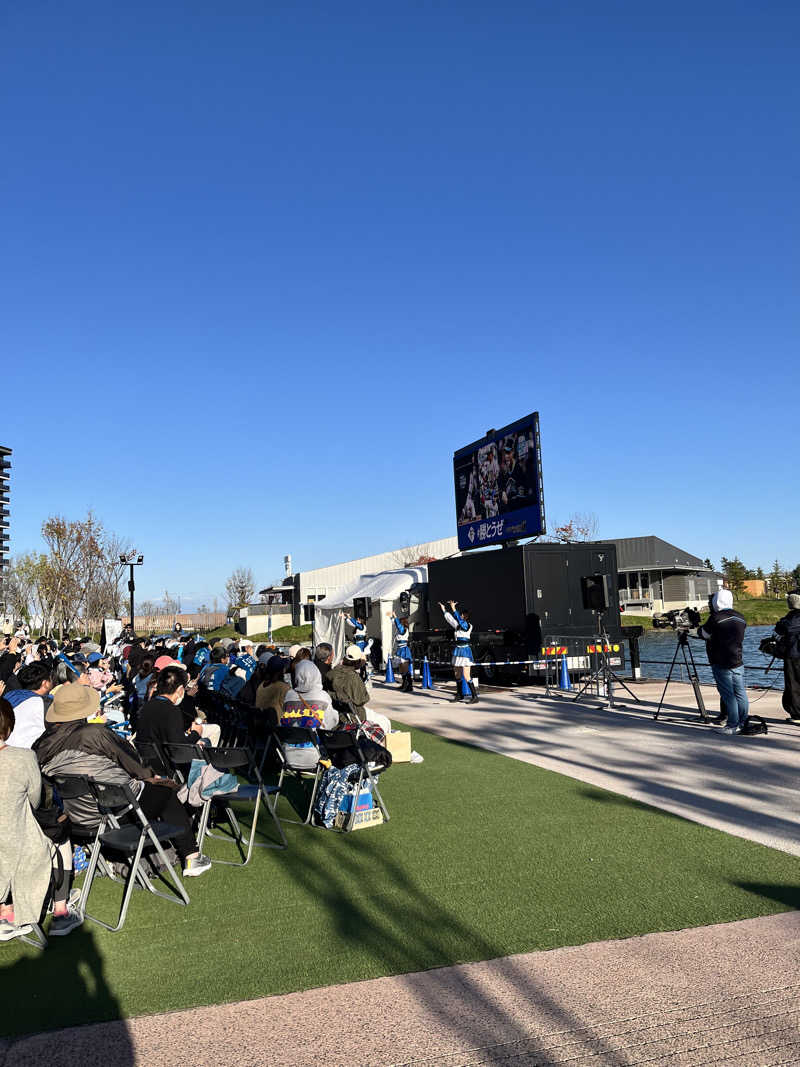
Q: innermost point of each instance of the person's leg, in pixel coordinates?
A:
(740, 692)
(61, 894)
(722, 676)
(473, 696)
(160, 802)
(791, 688)
(458, 673)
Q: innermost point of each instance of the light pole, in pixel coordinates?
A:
(131, 560)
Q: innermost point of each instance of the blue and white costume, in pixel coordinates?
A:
(359, 632)
(462, 653)
(401, 636)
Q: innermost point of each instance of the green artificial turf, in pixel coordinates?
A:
(484, 856)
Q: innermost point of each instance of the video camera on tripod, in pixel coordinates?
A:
(682, 620)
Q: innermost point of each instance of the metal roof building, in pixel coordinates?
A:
(656, 576)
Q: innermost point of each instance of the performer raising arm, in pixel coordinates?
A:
(462, 653)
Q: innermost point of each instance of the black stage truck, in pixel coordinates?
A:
(522, 599)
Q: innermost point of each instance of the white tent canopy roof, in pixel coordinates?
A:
(385, 585)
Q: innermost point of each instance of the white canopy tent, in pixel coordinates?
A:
(383, 589)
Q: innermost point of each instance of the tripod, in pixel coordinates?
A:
(603, 673)
(691, 669)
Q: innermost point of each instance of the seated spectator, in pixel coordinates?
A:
(160, 719)
(309, 706)
(100, 676)
(272, 692)
(346, 685)
(25, 856)
(28, 702)
(244, 660)
(323, 660)
(71, 745)
(214, 673)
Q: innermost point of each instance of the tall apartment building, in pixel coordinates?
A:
(5, 475)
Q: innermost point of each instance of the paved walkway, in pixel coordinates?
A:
(748, 786)
(722, 995)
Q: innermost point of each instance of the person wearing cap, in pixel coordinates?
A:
(73, 745)
(100, 677)
(346, 685)
(402, 633)
(359, 628)
(244, 660)
(788, 629)
(723, 633)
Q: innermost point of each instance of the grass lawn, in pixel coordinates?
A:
(280, 636)
(484, 856)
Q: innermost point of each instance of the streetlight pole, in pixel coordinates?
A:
(132, 560)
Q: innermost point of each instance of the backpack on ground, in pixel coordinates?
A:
(754, 724)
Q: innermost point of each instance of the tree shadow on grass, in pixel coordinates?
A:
(788, 895)
(45, 990)
(389, 919)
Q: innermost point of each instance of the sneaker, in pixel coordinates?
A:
(9, 931)
(66, 923)
(196, 865)
(730, 729)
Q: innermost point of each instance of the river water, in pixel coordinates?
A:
(660, 645)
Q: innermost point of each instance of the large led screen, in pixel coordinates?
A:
(498, 482)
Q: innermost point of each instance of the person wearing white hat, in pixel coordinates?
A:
(723, 634)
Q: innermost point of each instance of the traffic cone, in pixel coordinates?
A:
(563, 681)
(427, 681)
(389, 671)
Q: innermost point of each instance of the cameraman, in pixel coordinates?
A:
(787, 630)
(723, 633)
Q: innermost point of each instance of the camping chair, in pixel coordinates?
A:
(225, 759)
(345, 746)
(129, 839)
(297, 735)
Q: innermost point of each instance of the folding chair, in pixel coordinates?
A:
(113, 802)
(344, 744)
(74, 787)
(297, 735)
(178, 758)
(152, 755)
(233, 759)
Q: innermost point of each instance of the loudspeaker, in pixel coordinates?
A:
(362, 606)
(594, 588)
(405, 604)
(308, 612)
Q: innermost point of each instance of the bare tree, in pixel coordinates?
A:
(240, 588)
(171, 605)
(578, 527)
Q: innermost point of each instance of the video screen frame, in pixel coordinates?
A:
(498, 486)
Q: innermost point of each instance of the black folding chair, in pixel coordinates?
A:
(114, 802)
(345, 746)
(153, 756)
(241, 760)
(285, 737)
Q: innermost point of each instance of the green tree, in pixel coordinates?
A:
(735, 574)
(796, 577)
(707, 563)
(777, 581)
(760, 573)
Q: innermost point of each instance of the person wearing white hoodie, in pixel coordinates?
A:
(723, 633)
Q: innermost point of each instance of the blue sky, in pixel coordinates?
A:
(265, 267)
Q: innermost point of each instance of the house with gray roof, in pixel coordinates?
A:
(656, 576)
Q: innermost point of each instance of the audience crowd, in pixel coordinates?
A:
(72, 708)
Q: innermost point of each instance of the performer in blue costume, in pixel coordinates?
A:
(462, 653)
(402, 635)
(359, 630)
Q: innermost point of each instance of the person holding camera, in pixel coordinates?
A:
(787, 630)
(723, 633)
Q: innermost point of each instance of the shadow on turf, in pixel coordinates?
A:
(69, 979)
(789, 895)
(396, 922)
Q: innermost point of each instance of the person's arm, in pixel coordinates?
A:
(106, 743)
(33, 785)
(461, 624)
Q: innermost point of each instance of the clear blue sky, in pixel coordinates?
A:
(264, 267)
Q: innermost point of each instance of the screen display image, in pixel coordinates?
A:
(498, 484)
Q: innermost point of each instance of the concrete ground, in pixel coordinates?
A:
(722, 995)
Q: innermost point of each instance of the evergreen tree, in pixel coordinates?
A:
(735, 574)
(777, 581)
